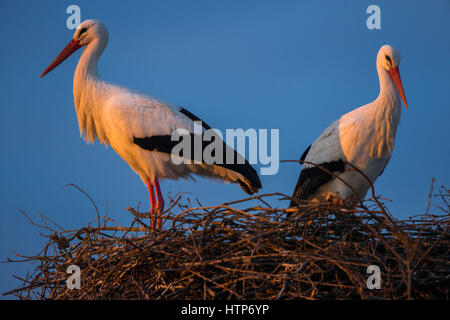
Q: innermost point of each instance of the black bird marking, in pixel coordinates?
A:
(193, 117)
(83, 30)
(303, 157)
(388, 59)
(164, 144)
(313, 178)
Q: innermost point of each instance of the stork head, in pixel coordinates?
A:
(389, 59)
(88, 31)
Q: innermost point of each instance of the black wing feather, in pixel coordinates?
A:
(164, 143)
(312, 178)
(305, 153)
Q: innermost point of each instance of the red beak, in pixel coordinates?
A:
(71, 47)
(395, 76)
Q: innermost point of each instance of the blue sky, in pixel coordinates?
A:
(294, 65)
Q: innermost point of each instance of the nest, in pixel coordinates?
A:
(317, 251)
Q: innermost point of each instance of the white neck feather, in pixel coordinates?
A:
(89, 92)
(386, 112)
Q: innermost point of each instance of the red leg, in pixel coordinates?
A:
(159, 201)
(152, 201)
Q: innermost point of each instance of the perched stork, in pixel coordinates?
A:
(363, 137)
(138, 127)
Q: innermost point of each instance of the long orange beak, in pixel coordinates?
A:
(395, 76)
(71, 47)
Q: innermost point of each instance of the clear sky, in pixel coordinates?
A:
(295, 66)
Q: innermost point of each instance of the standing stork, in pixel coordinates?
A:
(363, 137)
(138, 127)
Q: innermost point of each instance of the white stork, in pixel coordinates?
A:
(138, 127)
(363, 137)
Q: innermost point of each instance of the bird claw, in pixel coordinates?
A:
(336, 201)
(349, 202)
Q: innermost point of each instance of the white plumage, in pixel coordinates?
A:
(363, 137)
(117, 116)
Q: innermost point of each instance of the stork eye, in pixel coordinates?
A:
(388, 59)
(83, 30)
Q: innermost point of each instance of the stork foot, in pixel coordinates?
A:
(336, 200)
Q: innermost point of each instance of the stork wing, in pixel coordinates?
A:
(325, 152)
(151, 126)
